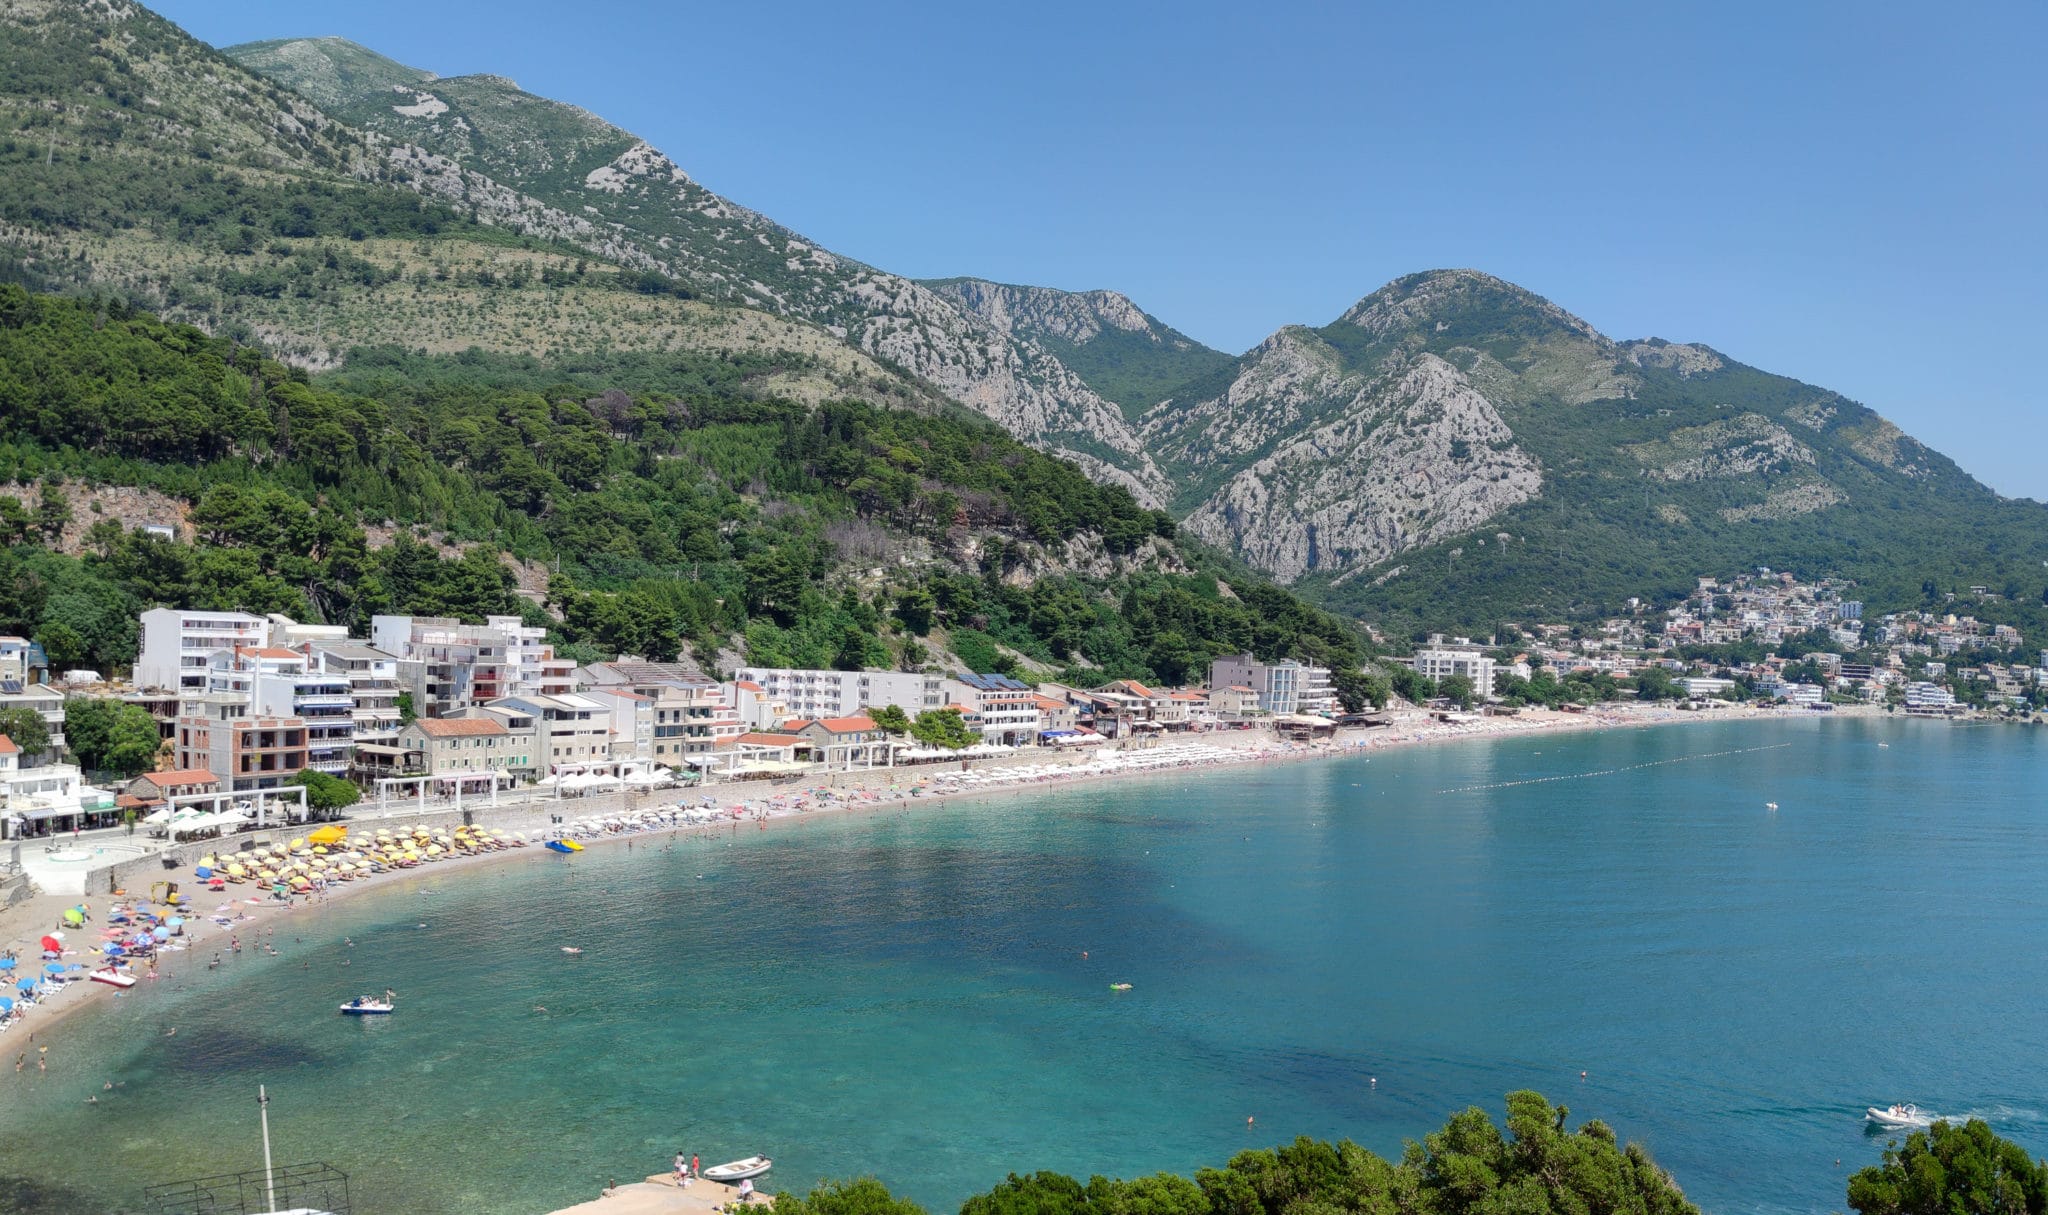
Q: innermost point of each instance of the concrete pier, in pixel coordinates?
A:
(660, 1195)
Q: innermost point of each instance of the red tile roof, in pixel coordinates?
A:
(837, 725)
(180, 778)
(762, 740)
(459, 727)
(748, 684)
(7, 746)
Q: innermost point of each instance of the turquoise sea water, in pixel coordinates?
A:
(904, 993)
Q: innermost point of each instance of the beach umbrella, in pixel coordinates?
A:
(6, 963)
(113, 949)
(6, 1005)
(203, 872)
(26, 986)
(54, 968)
(54, 943)
(160, 933)
(319, 850)
(330, 834)
(176, 923)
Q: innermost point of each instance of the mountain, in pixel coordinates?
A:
(636, 504)
(1127, 355)
(136, 159)
(650, 213)
(1455, 449)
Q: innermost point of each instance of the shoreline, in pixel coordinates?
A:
(843, 793)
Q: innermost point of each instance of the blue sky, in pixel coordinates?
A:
(1847, 193)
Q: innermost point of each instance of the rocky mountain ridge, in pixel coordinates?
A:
(651, 213)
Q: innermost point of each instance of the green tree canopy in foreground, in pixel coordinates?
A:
(26, 728)
(326, 794)
(1534, 1167)
(1952, 1170)
(111, 735)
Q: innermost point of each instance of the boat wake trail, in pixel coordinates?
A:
(1655, 763)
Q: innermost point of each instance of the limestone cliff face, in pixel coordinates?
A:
(1077, 316)
(1406, 457)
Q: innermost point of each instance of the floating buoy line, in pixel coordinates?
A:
(1655, 763)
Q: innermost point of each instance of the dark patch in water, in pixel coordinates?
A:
(213, 1053)
(26, 1196)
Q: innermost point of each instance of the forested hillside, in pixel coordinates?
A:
(677, 505)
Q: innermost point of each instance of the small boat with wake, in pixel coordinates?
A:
(1900, 1117)
(370, 1006)
(1119, 986)
(738, 1170)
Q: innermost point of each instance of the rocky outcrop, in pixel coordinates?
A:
(1746, 446)
(1415, 455)
(1077, 316)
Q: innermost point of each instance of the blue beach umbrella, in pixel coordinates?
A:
(26, 986)
(6, 963)
(6, 1005)
(115, 950)
(54, 968)
(160, 933)
(202, 872)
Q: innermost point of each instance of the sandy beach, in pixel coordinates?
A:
(215, 922)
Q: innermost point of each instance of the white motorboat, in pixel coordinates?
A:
(1900, 1116)
(738, 1170)
(366, 1008)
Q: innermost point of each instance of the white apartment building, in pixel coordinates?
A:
(530, 661)
(29, 797)
(445, 664)
(177, 645)
(1318, 691)
(753, 707)
(572, 729)
(1922, 697)
(14, 660)
(1007, 709)
(632, 721)
(372, 677)
(820, 694)
(1441, 659)
(693, 721)
(1284, 687)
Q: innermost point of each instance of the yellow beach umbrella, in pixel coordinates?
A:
(333, 833)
